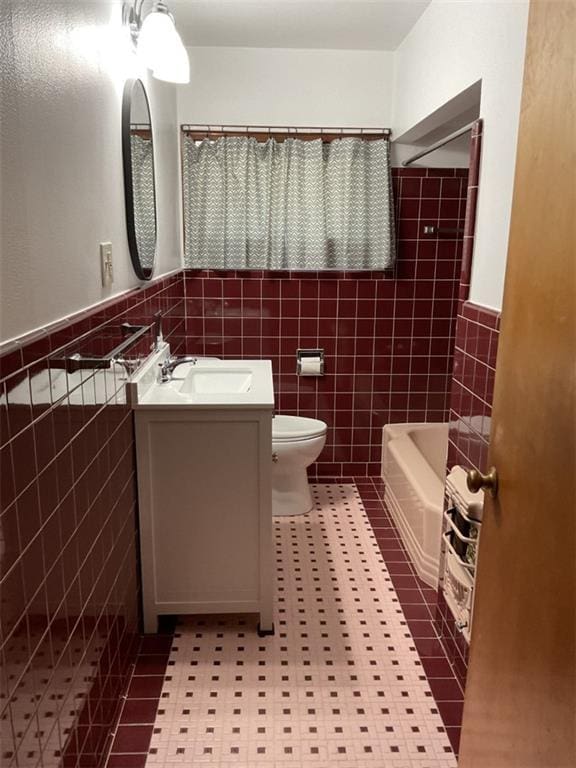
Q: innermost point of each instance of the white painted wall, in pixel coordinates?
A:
(288, 87)
(450, 156)
(454, 44)
(64, 66)
(61, 185)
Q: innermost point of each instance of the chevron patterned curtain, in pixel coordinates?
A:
(288, 205)
(141, 152)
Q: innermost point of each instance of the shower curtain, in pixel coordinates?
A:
(288, 205)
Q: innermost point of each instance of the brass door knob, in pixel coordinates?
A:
(477, 481)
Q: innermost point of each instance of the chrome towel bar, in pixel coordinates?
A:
(78, 362)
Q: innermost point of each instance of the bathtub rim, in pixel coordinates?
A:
(432, 488)
(426, 485)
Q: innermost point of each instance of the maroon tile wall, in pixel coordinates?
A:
(69, 583)
(68, 545)
(138, 714)
(477, 332)
(388, 336)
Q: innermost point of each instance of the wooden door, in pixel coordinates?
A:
(520, 704)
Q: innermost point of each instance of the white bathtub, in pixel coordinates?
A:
(414, 470)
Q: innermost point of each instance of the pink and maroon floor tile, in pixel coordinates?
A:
(419, 604)
(355, 674)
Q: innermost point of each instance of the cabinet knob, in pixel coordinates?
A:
(275, 457)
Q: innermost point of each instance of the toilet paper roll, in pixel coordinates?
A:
(311, 366)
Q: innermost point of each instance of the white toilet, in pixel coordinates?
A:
(296, 443)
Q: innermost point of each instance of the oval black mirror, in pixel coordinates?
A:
(139, 184)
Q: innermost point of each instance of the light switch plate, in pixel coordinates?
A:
(106, 264)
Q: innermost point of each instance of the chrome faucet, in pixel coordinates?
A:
(168, 366)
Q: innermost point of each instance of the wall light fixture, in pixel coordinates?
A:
(158, 44)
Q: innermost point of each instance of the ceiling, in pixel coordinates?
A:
(377, 25)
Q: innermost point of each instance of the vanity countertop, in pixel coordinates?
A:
(207, 384)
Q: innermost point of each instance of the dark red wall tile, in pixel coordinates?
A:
(69, 579)
(470, 404)
(367, 323)
(80, 569)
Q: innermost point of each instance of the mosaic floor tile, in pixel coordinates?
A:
(340, 683)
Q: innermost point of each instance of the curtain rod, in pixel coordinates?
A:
(440, 143)
(282, 132)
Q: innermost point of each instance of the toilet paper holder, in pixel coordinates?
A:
(307, 356)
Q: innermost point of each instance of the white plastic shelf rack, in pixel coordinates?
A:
(459, 572)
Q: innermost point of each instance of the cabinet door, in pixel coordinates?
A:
(200, 508)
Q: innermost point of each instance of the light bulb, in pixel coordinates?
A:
(157, 38)
(174, 65)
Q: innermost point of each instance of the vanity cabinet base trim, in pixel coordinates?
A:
(265, 632)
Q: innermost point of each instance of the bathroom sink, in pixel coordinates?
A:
(210, 383)
(217, 381)
(203, 452)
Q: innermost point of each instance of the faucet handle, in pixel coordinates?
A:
(166, 367)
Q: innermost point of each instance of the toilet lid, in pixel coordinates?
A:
(296, 428)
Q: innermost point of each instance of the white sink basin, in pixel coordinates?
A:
(208, 383)
(217, 381)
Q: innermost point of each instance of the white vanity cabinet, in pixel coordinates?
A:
(205, 498)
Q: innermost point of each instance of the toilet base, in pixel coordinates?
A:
(291, 494)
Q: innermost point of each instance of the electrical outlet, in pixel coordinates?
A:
(106, 263)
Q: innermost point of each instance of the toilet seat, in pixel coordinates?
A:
(296, 428)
